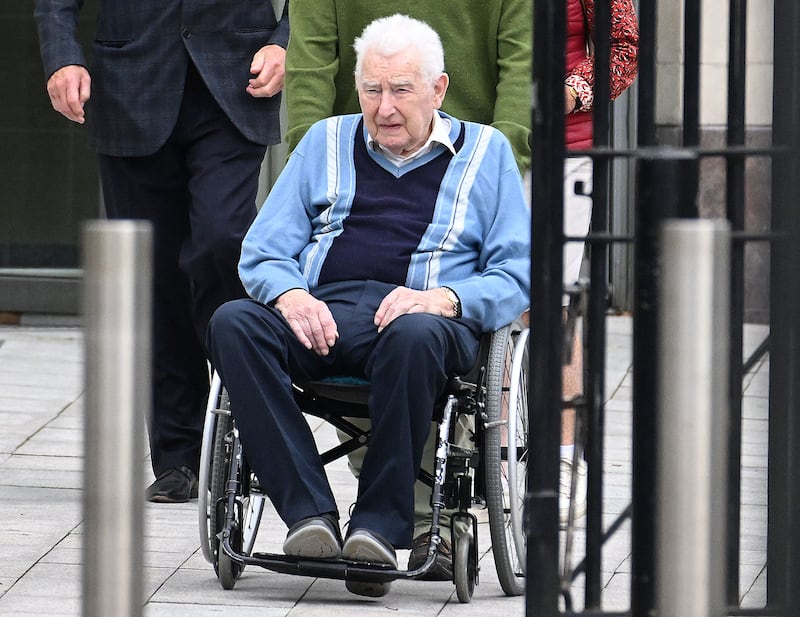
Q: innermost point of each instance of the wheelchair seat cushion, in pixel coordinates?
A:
(340, 388)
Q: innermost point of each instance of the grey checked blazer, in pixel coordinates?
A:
(139, 58)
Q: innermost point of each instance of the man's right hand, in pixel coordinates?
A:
(69, 88)
(310, 320)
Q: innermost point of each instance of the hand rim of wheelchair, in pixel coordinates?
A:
(203, 484)
(519, 355)
(508, 349)
(217, 410)
(343, 569)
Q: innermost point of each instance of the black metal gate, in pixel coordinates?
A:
(668, 183)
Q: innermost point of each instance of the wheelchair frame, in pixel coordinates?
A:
(231, 504)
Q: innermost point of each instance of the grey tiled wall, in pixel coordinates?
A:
(711, 202)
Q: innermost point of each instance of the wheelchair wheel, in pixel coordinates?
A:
(226, 463)
(506, 452)
(227, 570)
(465, 568)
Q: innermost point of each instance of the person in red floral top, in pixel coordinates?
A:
(578, 103)
(579, 83)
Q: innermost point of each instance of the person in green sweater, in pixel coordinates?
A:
(487, 48)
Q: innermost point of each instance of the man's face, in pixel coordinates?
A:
(397, 101)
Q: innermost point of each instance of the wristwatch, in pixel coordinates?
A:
(455, 300)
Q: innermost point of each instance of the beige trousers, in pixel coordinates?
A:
(464, 432)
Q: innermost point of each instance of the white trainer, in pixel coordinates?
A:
(567, 476)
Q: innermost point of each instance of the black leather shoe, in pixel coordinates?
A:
(442, 568)
(177, 485)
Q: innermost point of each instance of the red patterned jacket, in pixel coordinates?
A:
(580, 63)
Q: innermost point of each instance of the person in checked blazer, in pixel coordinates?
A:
(180, 100)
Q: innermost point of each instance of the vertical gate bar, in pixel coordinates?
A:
(595, 382)
(792, 485)
(642, 548)
(691, 72)
(783, 513)
(791, 311)
(602, 71)
(541, 504)
(594, 392)
(644, 388)
(646, 78)
(116, 306)
(692, 418)
(691, 100)
(658, 173)
(735, 199)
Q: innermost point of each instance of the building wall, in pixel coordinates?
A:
(49, 184)
(713, 118)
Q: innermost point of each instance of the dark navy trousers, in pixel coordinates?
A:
(407, 365)
(199, 191)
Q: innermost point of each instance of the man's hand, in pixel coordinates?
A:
(402, 300)
(268, 67)
(69, 88)
(310, 320)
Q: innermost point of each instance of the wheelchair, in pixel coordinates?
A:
(491, 472)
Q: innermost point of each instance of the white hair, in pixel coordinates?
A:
(390, 35)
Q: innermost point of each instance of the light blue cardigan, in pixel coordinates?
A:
(478, 242)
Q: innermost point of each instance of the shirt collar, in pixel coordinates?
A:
(439, 134)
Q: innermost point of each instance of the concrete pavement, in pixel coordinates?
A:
(41, 458)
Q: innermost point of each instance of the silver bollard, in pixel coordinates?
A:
(117, 303)
(693, 419)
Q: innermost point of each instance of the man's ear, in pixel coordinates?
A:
(439, 89)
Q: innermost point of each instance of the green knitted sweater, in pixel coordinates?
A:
(487, 46)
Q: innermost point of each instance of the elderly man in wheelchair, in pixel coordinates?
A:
(392, 241)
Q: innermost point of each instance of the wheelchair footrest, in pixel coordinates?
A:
(340, 569)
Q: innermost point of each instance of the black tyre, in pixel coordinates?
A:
(228, 571)
(506, 453)
(465, 568)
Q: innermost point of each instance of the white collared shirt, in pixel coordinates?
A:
(439, 134)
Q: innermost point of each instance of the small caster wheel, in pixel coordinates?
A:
(228, 570)
(465, 568)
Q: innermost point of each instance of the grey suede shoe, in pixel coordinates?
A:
(366, 546)
(316, 536)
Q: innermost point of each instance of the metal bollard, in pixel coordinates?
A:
(692, 419)
(117, 322)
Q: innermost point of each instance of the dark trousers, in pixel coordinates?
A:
(407, 365)
(199, 191)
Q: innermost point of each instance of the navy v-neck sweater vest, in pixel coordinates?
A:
(387, 220)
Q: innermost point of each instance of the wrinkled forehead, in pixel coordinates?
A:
(403, 65)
